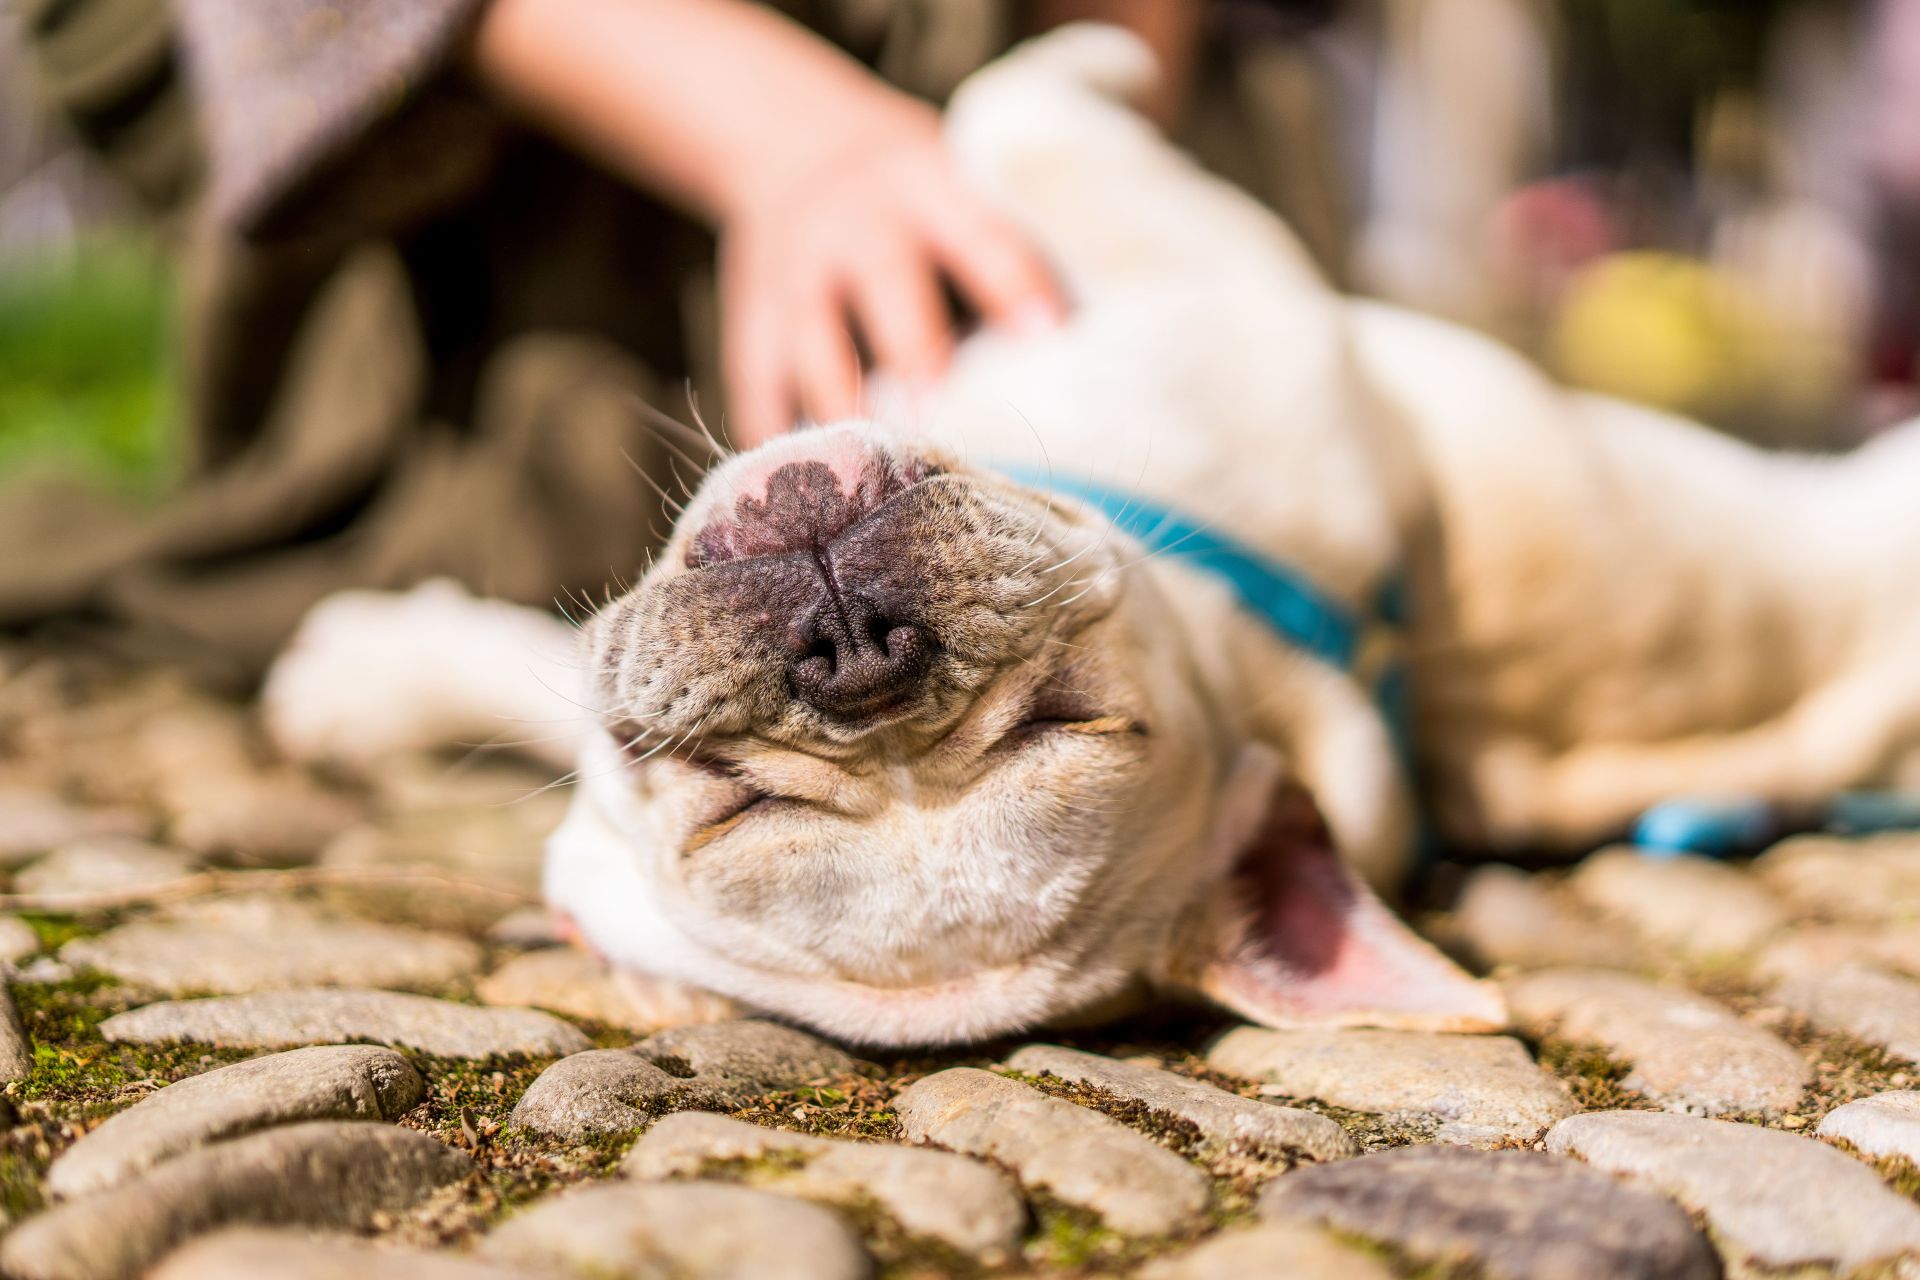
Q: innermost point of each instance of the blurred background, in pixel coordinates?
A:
(1708, 205)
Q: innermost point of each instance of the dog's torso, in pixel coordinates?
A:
(1607, 605)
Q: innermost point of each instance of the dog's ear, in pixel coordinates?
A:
(1294, 938)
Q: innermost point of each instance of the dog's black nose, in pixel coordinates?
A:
(858, 659)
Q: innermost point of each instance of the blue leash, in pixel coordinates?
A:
(1293, 606)
(1286, 600)
(1734, 826)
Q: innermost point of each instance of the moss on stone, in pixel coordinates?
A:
(1897, 1172)
(467, 1102)
(1594, 1077)
(56, 931)
(1069, 1239)
(1406, 1265)
(856, 1105)
(1182, 1137)
(768, 1166)
(24, 1157)
(75, 1067)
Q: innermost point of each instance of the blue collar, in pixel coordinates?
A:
(1302, 613)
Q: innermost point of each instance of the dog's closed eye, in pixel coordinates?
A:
(1058, 707)
(1096, 725)
(731, 798)
(731, 809)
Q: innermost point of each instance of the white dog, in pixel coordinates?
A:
(1041, 697)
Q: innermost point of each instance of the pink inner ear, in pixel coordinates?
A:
(1320, 948)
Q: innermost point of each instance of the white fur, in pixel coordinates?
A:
(1611, 606)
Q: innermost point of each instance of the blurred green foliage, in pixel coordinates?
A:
(86, 362)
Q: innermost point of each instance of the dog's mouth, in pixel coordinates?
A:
(734, 794)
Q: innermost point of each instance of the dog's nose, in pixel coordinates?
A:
(815, 525)
(797, 503)
(857, 659)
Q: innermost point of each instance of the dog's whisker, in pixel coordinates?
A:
(678, 508)
(1089, 549)
(1046, 458)
(1074, 581)
(565, 779)
(660, 420)
(680, 480)
(672, 743)
(676, 452)
(1098, 578)
(594, 712)
(508, 744)
(720, 448)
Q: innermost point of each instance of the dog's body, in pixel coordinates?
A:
(1608, 608)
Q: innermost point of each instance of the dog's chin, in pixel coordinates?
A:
(980, 1006)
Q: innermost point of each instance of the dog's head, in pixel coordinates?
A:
(905, 750)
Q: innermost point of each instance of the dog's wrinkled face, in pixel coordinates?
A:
(901, 749)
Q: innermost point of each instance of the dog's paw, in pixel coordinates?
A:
(364, 675)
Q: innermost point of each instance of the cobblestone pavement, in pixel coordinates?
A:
(258, 1023)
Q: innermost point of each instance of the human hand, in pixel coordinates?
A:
(857, 239)
(839, 210)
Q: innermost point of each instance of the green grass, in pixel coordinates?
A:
(87, 380)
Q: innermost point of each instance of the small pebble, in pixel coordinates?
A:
(1507, 917)
(605, 1091)
(284, 1019)
(1703, 910)
(746, 1056)
(1275, 1249)
(1887, 1124)
(1475, 1090)
(326, 1173)
(1879, 1008)
(1230, 1128)
(700, 1230)
(578, 984)
(1686, 1051)
(1772, 1199)
(960, 1202)
(1515, 1215)
(239, 945)
(248, 1253)
(1079, 1156)
(105, 864)
(330, 1082)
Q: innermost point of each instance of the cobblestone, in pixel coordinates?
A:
(699, 1230)
(335, 1174)
(1515, 1215)
(960, 1202)
(1687, 1051)
(1772, 1198)
(284, 1019)
(1476, 1090)
(1230, 1128)
(1078, 1156)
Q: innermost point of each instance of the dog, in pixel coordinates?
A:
(921, 729)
